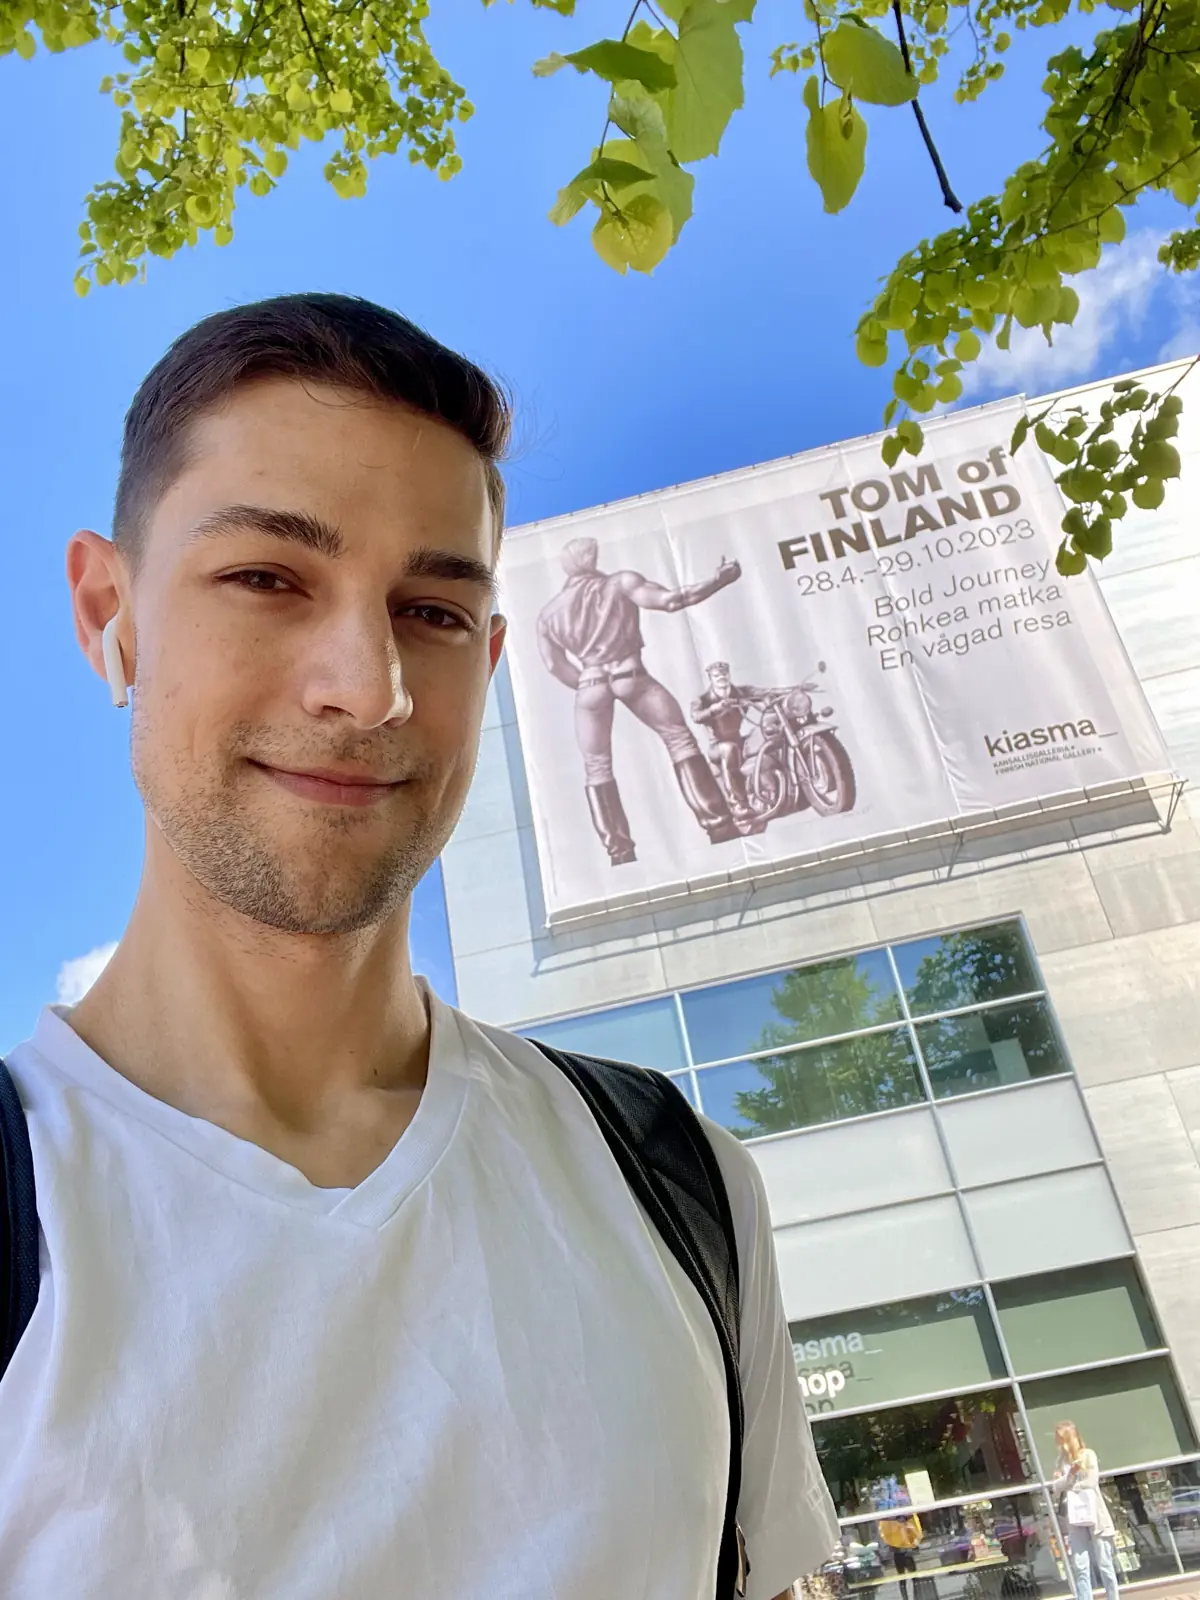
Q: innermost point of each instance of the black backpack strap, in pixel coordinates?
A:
(661, 1148)
(18, 1222)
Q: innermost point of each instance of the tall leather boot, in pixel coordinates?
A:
(703, 794)
(610, 822)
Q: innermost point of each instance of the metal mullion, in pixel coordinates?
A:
(875, 1028)
(863, 1211)
(687, 1048)
(797, 1046)
(836, 1122)
(1095, 1366)
(1007, 1492)
(1024, 1177)
(972, 1239)
(910, 1400)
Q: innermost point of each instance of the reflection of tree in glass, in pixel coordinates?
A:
(838, 1080)
(963, 969)
(935, 1436)
(958, 1050)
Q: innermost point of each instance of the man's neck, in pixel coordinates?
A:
(314, 1047)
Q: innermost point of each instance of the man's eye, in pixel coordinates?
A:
(261, 582)
(435, 616)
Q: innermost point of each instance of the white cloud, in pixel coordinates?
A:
(77, 976)
(1114, 301)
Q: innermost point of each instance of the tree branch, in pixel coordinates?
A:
(315, 50)
(948, 195)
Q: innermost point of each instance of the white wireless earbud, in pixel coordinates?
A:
(114, 666)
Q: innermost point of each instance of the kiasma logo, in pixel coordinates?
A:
(828, 1383)
(1007, 744)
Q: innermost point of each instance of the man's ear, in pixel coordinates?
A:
(496, 641)
(99, 584)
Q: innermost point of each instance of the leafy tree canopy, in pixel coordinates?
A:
(217, 93)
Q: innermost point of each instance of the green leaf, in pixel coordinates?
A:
(891, 448)
(1096, 539)
(911, 436)
(870, 344)
(1159, 459)
(837, 147)
(1070, 562)
(642, 119)
(708, 68)
(1018, 435)
(1149, 495)
(865, 64)
(968, 345)
(638, 235)
(615, 61)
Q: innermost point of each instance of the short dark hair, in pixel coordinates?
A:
(339, 340)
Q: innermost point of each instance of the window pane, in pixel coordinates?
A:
(987, 1549)
(805, 1087)
(1068, 1319)
(961, 969)
(987, 1048)
(647, 1034)
(887, 1352)
(1126, 1414)
(963, 1446)
(1157, 1514)
(791, 1007)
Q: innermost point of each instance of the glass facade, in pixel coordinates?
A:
(934, 1417)
(844, 1038)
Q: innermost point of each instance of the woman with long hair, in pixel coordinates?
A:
(1088, 1521)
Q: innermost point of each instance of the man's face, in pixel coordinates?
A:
(719, 678)
(313, 605)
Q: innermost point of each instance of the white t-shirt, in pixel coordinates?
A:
(479, 1375)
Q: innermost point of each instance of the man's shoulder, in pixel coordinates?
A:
(739, 1171)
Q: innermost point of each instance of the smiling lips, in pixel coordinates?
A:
(331, 787)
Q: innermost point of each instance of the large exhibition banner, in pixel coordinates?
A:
(728, 676)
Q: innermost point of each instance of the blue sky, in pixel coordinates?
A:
(737, 350)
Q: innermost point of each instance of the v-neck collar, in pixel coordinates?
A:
(369, 1204)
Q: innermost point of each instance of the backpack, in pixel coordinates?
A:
(664, 1155)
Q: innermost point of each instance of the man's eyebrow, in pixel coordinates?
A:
(429, 562)
(297, 527)
(314, 533)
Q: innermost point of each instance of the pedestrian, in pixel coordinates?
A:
(1090, 1528)
(343, 1294)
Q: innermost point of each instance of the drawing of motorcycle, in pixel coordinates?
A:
(790, 759)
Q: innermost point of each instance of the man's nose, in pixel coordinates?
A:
(356, 669)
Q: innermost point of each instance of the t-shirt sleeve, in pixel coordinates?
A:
(785, 1510)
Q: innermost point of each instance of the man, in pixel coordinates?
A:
(590, 638)
(343, 1295)
(719, 708)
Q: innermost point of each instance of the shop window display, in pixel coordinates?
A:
(997, 1548)
(934, 1449)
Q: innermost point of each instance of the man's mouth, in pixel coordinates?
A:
(331, 786)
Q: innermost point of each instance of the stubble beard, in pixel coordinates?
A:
(325, 886)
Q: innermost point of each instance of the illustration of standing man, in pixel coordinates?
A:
(590, 638)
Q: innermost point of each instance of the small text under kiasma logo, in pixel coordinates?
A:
(1006, 744)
